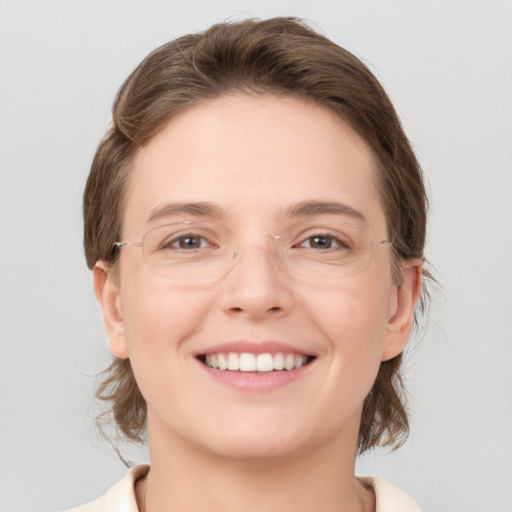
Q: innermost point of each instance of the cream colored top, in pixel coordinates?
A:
(121, 496)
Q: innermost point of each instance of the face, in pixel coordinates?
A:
(251, 173)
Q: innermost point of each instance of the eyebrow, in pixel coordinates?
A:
(308, 208)
(200, 209)
(312, 208)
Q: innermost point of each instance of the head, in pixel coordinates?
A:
(283, 58)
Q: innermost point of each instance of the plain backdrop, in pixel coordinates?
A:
(447, 66)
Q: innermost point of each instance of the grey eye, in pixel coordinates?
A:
(322, 242)
(187, 242)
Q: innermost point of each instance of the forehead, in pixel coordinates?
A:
(253, 156)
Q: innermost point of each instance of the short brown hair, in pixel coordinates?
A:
(278, 56)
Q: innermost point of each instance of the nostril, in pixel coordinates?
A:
(275, 309)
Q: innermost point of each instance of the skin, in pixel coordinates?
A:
(214, 447)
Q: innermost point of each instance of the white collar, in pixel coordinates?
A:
(121, 496)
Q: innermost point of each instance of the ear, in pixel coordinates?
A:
(107, 292)
(404, 301)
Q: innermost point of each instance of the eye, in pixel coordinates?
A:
(187, 242)
(323, 241)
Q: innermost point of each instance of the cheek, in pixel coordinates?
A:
(353, 318)
(159, 320)
(351, 322)
(158, 315)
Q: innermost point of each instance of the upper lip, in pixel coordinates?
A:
(252, 347)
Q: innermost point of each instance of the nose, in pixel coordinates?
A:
(256, 287)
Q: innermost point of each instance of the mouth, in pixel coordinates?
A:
(251, 362)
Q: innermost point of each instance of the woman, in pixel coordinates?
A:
(255, 221)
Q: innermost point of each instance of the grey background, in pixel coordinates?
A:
(448, 67)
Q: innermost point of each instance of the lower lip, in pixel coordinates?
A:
(254, 381)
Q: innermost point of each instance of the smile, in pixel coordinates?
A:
(249, 362)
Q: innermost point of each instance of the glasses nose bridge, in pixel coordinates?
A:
(256, 243)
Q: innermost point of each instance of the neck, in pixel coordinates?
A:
(185, 479)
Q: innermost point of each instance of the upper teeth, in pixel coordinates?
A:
(248, 362)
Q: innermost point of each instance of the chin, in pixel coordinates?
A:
(253, 451)
(258, 441)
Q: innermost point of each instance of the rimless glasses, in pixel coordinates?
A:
(199, 251)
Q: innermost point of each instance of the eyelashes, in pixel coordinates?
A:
(196, 241)
(323, 241)
(188, 242)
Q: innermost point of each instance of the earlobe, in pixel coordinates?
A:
(400, 323)
(107, 294)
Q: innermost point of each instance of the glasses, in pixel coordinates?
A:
(200, 251)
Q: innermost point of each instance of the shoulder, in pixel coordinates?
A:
(120, 497)
(389, 498)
